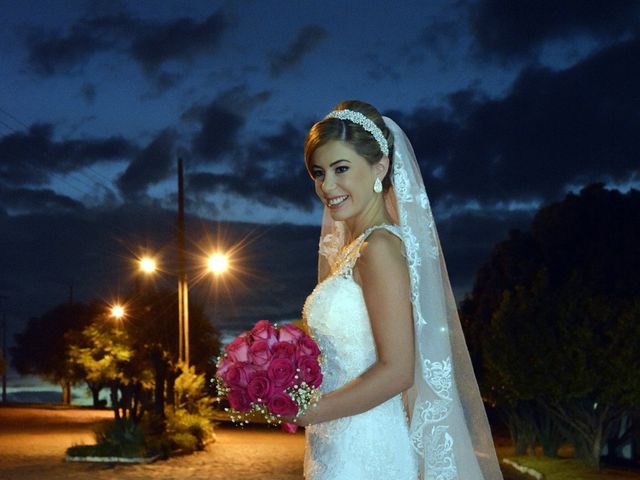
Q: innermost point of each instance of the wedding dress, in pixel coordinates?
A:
(444, 428)
(374, 444)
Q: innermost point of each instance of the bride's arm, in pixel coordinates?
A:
(387, 293)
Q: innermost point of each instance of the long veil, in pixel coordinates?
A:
(448, 423)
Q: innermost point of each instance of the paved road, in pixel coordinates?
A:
(33, 442)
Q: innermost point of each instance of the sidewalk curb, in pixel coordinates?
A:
(112, 459)
(522, 469)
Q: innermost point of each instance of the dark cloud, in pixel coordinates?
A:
(89, 92)
(439, 37)
(151, 165)
(180, 39)
(270, 171)
(37, 200)
(53, 52)
(306, 40)
(219, 128)
(221, 121)
(505, 30)
(150, 44)
(32, 156)
(553, 129)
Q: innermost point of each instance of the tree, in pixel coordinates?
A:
(101, 353)
(42, 349)
(553, 319)
(153, 330)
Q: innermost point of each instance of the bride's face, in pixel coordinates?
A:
(343, 179)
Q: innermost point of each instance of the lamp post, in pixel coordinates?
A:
(217, 263)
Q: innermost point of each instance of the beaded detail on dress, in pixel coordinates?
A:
(371, 445)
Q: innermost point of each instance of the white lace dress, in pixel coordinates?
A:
(371, 445)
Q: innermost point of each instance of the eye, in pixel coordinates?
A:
(342, 169)
(317, 173)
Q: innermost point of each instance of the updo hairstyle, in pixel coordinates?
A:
(364, 144)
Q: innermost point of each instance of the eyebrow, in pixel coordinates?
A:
(333, 163)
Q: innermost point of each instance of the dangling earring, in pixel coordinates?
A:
(377, 185)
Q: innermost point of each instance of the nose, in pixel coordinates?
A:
(327, 184)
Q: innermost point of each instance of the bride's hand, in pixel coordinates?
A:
(303, 420)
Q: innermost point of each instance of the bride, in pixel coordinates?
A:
(399, 396)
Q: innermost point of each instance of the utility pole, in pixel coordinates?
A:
(4, 357)
(183, 291)
(4, 351)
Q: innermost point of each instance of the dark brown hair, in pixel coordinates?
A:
(364, 144)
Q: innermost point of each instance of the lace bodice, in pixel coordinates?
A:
(371, 445)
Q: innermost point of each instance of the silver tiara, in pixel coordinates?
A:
(364, 122)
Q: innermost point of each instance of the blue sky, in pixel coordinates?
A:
(509, 105)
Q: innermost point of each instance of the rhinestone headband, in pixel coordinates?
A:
(364, 122)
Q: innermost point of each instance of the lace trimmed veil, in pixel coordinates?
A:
(448, 423)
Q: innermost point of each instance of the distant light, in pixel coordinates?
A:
(217, 263)
(117, 311)
(147, 265)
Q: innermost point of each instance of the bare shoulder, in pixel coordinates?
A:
(382, 253)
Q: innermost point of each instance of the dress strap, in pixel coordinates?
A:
(348, 257)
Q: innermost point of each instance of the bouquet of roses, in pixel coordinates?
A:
(271, 371)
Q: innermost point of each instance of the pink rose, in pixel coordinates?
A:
(284, 350)
(239, 400)
(289, 427)
(281, 404)
(238, 374)
(308, 346)
(310, 371)
(259, 387)
(263, 330)
(281, 371)
(260, 353)
(290, 333)
(223, 366)
(238, 349)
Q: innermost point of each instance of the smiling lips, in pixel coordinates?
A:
(335, 202)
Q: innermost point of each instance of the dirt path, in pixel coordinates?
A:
(33, 442)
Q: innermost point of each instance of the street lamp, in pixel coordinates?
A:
(147, 265)
(217, 263)
(117, 311)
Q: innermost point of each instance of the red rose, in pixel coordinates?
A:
(239, 400)
(284, 350)
(263, 330)
(259, 387)
(259, 353)
(281, 404)
(238, 349)
(290, 333)
(238, 374)
(308, 346)
(281, 371)
(310, 371)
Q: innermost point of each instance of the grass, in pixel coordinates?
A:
(572, 469)
(102, 450)
(565, 467)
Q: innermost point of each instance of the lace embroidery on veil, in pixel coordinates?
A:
(439, 444)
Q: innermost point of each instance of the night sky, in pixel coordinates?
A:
(509, 105)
